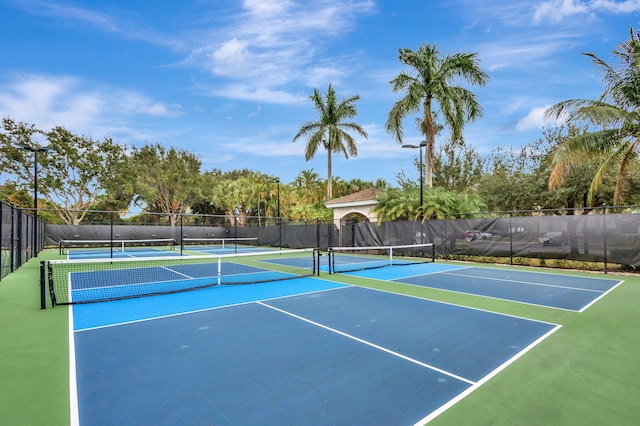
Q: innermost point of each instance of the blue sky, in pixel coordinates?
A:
(230, 80)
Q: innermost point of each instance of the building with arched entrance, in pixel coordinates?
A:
(356, 206)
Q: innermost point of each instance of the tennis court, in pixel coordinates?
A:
(304, 351)
(287, 347)
(561, 291)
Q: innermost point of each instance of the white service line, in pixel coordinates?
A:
(176, 272)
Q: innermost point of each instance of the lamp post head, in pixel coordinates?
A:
(422, 144)
(25, 147)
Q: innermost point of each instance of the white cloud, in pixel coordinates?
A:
(47, 101)
(274, 43)
(536, 119)
(260, 94)
(266, 7)
(268, 44)
(524, 51)
(556, 10)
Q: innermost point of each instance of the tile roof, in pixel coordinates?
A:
(369, 194)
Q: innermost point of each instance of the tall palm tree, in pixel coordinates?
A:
(429, 87)
(330, 131)
(616, 114)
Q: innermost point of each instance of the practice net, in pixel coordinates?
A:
(349, 259)
(96, 280)
(106, 246)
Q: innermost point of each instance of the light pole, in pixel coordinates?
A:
(422, 143)
(35, 151)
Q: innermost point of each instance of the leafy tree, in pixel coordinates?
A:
(459, 168)
(615, 115)
(342, 188)
(311, 212)
(167, 181)
(241, 193)
(331, 131)
(307, 188)
(508, 182)
(517, 178)
(205, 204)
(438, 203)
(72, 175)
(428, 87)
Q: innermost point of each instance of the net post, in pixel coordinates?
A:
(181, 236)
(43, 287)
(433, 252)
(316, 261)
(219, 270)
(111, 235)
(49, 280)
(331, 258)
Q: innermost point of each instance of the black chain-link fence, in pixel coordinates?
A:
(604, 234)
(19, 239)
(269, 231)
(610, 235)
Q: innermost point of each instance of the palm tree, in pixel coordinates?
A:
(330, 131)
(616, 114)
(429, 88)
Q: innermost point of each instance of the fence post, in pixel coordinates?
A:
(445, 242)
(604, 229)
(511, 237)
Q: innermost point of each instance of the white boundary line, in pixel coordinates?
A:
(373, 345)
(74, 415)
(485, 379)
(600, 297)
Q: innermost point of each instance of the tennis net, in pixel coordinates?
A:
(105, 246)
(218, 243)
(85, 281)
(349, 259)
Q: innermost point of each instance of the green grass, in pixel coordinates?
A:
(587, 373)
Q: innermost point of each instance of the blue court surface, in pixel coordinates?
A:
(226, 250)
(298, 352)
(77, 254)
(575, 293)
